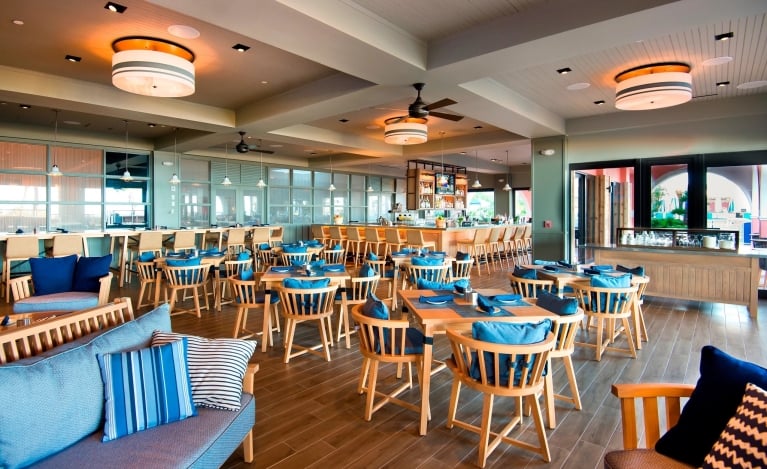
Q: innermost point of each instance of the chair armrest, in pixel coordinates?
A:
(21, 287)
(105, 284)
(651, 394)
(250, 373)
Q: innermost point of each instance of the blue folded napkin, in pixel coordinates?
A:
(317, 264)
(436, 300)
(174, 254)
(400, 253)
(486, 305)
(333, 268)
(551, 268)
(591, 272)
(280, 269)
(565, 264)
(542, 262)
(602, 268)
(508, 298)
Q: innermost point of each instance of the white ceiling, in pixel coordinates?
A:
(313, 63)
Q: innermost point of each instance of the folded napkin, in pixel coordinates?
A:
(317, 264)
(542, 262)
(486, 305)
(602, 268)
(333, 268)
(591, 272)
(435, 300)
(400, 253)
(565, 264)
(551, 268)
(280, 269)
(175, 254)
(507, 298)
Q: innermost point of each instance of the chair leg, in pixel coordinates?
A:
(576, 396)
(363, 375)
(327, 337)
(484, 434)
(455, 393)
(371, 389)
(290, 330)
(538, 419)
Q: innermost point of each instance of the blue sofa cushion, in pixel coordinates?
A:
(52, 274)
(555, 304)
(66, 301)
(89, 270)
(68, 379)
(505, 333)
(216, 367)
(145, 388)
(714, 400)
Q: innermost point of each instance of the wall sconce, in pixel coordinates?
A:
(547, 152)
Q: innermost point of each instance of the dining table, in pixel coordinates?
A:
(401, 261)
(460, 313)
(337, 273)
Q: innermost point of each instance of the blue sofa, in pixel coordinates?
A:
(53, 411)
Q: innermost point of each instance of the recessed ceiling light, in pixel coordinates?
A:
(477, 127)
(24, 106)
(240, 47)
(343, 121)
(18, 22)
(183, 31)
(600, 102)
(115, 7)
(724, 36)
(564, 71)
(264, 82)
(151, 125)
(752, 84)
(722, 84)
(578, 86)
(73, 58)
(716, 61)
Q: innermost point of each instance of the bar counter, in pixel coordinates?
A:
(719, 276)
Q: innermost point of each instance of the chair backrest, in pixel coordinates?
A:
(22, 247)
(525, 363)
(233, 268)
(67, 244)
(184, 239)
(288, 258)
(260, 235)
(518, 233)
(494, 235)
(528, 231)
(462, 269)
(392, 236)
(186, 276)
(359, 287)
(414, 237)
(150, 241)
(276, 233)
(335, 233)
(371, 235)
(147, 271)
(245, 292)
(434, 273)
(317, 232)
(564, 330)
(235, 236)
(304, 303)
(374, 332)
(334, 256)
(353, 233)
(508, 233)
(528, 287)
(379, 266)
(641, 283)
(481, 236)
(615, 302)
(265, 258)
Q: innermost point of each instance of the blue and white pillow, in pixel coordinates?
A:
(145, 388)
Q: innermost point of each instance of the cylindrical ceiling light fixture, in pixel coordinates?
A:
(152, 67)
(405, 131)
(653, 86)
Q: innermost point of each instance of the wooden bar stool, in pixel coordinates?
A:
(373, 241)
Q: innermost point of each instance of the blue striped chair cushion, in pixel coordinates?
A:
(145, 388)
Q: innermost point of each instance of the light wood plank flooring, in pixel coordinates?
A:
(309, 414)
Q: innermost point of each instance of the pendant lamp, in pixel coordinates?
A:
(507, 187)
(226, 181)
(126, 174)
(476, 184)
(261, 184)
(55, 171)
(174, 179)
(331, 188)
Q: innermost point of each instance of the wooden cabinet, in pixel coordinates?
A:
(425, 193)
(679, 238)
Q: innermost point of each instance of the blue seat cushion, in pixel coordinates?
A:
(246, 274)
(183, 262)
(459, 285)
(611, 281)
(367, 270)
(52, 274)
(372, 256)
(427, 261)
(291, 282)
(544, 262)
(294, 249)
(264, 247)
(375, 308)
(462, 256)
(506, 333)
(522, 272)
(337, 247)
(555, 304)
(243, 256)
(714, 400)
(146, 257)
(65, 301)
(89, 270)
(638, 270)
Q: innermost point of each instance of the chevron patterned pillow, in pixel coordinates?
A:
(743, 442)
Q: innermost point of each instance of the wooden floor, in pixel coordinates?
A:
(309, 414)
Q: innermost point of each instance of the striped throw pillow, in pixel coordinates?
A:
(145, 388)
(743, 441)
(216, 368)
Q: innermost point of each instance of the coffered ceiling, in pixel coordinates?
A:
(321, 76)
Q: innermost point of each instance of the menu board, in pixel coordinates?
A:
(448, 187)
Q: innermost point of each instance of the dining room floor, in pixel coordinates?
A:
(310, 415)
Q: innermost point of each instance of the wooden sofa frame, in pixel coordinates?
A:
(22, 287)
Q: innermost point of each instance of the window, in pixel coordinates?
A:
(481, 204)
(523, 205)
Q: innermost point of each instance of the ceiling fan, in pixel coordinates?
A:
(420, 110)
(243, 147)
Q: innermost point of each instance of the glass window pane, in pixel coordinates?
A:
(302, 178)
(321, 179)
(358, 182)
(78, 160)
(279, 215)
(195, 204)
(373, 206)
(225, 207)
(252, 207)
(23, 156)
(669, 195)
(194, 170)
(279, 195)
(481, 205)
(88, 217)
(733, 195)
(523, 205)
(322, 214)
(322, 197)
(22, 187)
(137, 164)
(357, 214)
(279, 177)
(302, 197)
(341, 181)
(76, 189)
(387, 184)
(357, 199)
(340, 198)
(25, 217)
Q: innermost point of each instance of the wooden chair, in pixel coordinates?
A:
(355, 243)
(150, 279)
(640, 329)
(611, 309)
(393, 241)
(506, 245)
(182, 241)
(67, 244)
(518, 246)
(320, 233)
(213, 238)
(493, 246)
(234, 242)
(476, 248)
(221, 281)
(527, 244)
(22, 291)
(373, 241)
(334, 256)
(17, 249)
(288, 258)
(373, 333)
(415, 240)
(148, 241)
(461, 269)
(355, 293)
(187, 278)
(526, 360)
(259, 236)
(530, 287)
(248, 296)
(300, 305)
(564, 330)
(385, 276)
(264, 259)
(434, 273)
(275, 235)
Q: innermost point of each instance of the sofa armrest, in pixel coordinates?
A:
(250, 373)
(651, 394)
(21, 287)
(105, 285)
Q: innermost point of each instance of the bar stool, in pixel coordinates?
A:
(234, 242)
(476, 247)
(321, 234)
(354, 242)
(275, 235)
(527, 243)
(415, 240)
(393, 241)
(373, 240)
(508, 245)
(68, 244)
(182, 241)
(260, 236)
(148, 241)
(17, 249)
(336, 236)
(518, 245)
(492, 245)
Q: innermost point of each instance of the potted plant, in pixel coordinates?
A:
(440, 221)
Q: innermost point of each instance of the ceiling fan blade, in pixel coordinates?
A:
(439, 104)
(442, 115)
(265, 152)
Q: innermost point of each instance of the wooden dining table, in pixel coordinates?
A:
(400, 263)
(434, 319)
(276, 274)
